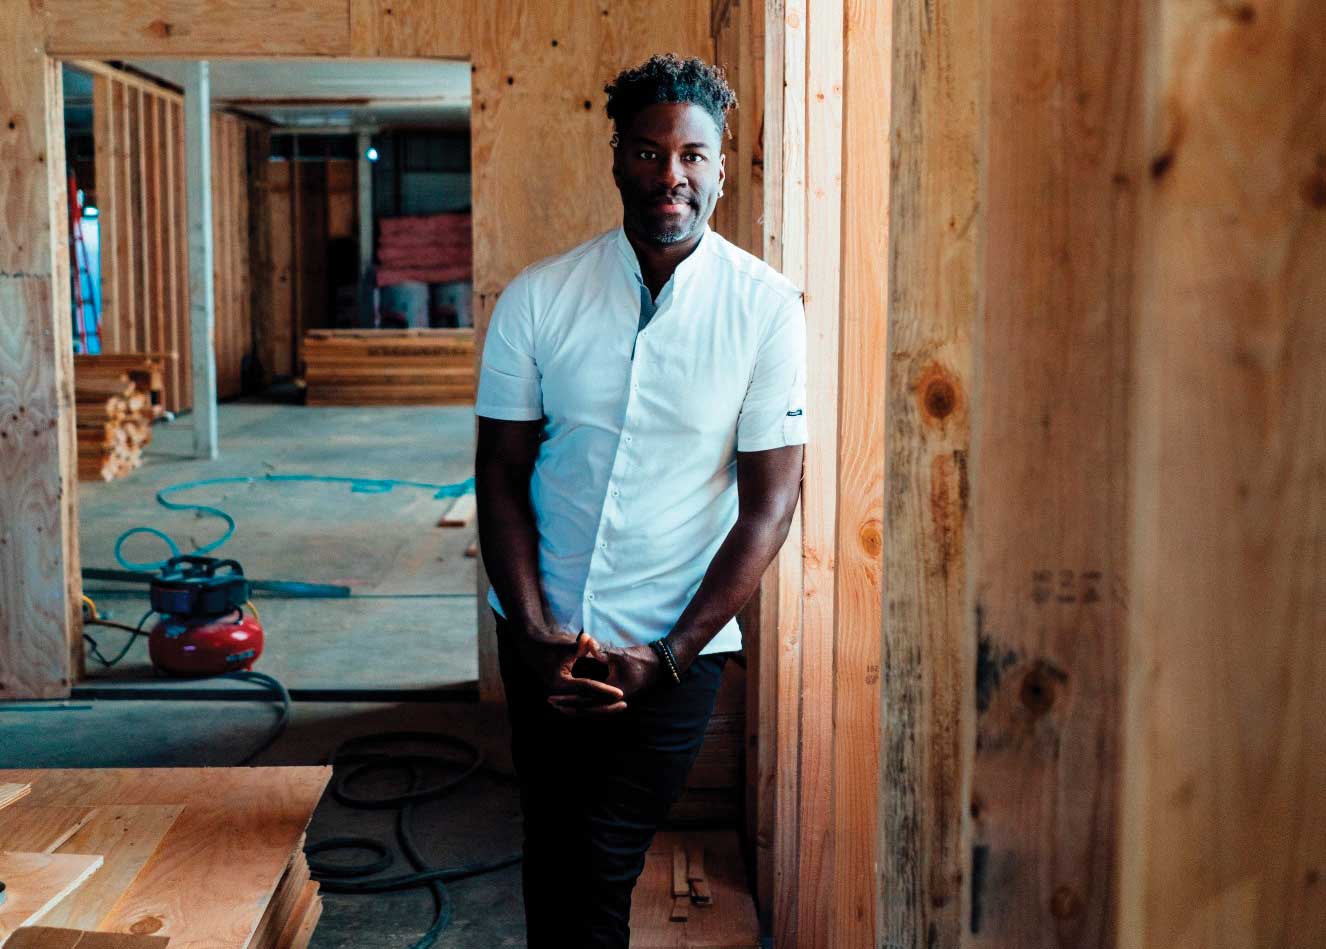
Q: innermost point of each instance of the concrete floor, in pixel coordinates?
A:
(411, 621)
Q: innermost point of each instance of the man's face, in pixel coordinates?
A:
(668, 166)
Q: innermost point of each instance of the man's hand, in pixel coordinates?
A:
(630, 670)
(551, 655)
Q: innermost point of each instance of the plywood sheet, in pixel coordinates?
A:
(239, 824)
(36, 882)
(125, 835)
(40, 829)
(47, 937)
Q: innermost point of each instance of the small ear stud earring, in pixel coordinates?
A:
(720, 192)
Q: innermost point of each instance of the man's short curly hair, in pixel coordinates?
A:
(666, 77)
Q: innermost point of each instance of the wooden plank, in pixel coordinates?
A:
(9, 793)
(172, 237)
(104, 122)
(680, 886)
(126, 227)
(37, 882)
(928, 660)
(788, 245)
(1048, 471)
(44, 937)
(182, 372)
(129, 80)
(142, 259)
(126, 836)
(867, 49)
(303, 919)
(1222, 814)
(729, 922)
(461, 513)
(154, 247)
(40, 829)
(261, 289)
(94, 29)
(819, 610)
(239, 824)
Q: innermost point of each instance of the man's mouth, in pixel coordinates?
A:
(668, 205)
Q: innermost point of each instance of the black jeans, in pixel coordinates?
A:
(593, 792)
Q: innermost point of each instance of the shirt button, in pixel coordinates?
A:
(590, 596)
(603, 545)
(628, 438)
(616, 493)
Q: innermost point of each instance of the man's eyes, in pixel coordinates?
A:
(692, 157)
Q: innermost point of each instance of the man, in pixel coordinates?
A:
(641, 417)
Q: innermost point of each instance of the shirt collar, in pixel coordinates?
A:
(690, 265)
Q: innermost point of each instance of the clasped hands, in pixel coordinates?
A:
(552, 655)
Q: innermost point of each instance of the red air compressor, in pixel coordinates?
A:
(203, 629)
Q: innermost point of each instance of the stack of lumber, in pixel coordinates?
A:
(116, 398)
(198, 857)
(389, 367)
(693, 892)
(427, 248)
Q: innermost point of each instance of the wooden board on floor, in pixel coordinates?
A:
(47, 937)
(461, 513)
(40, 829)
(729, 921)
(126, 835)
(9, 793)
(233, 841)
(37, 882)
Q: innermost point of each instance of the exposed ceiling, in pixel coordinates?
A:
(329, 94)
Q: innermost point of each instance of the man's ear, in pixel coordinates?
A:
(615, 143)
(722, 169)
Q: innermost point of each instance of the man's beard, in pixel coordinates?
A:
(661, 231)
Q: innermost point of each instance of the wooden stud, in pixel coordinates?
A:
(109, 213)
(928, 659)
(1222, 840)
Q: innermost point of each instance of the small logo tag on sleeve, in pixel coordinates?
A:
(794, 413)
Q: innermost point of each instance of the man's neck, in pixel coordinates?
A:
(658, 261)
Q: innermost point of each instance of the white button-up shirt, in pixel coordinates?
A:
(634, 487)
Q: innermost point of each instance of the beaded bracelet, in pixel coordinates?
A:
(666, 656)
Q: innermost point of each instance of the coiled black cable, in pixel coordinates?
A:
(359, 757)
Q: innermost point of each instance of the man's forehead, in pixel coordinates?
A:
(684, 120)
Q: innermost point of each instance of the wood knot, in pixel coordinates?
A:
(147, 925)
(1314, 190)
(938, 393)
(872, 538)
(1039, 686)
(159, 29)
(1066, 903)
(1161, 164)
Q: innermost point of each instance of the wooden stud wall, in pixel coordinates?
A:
(307, 203)
(137, 128)
(230, 261)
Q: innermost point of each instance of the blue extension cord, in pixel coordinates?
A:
(357, 486)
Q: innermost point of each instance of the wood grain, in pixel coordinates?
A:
(729, 922)
(126, 836)
(819, 502)
(935, 228)
(38, 545)
(40, 829)
(36, 882)
(1048, 470)
(1223, 812)
(239, 824)
(196, 29)
(45, 937)
(788, 245)
(11, 793)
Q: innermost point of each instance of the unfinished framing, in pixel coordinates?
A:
(1084, 275)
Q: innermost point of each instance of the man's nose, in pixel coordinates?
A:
(674, 174)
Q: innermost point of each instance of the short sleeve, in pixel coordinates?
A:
(773, 414)
(508, 375)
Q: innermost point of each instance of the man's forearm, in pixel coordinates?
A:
(732, 578)
(509, 539)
